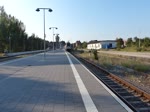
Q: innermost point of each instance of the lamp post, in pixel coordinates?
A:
(53, 35)
(59, 43)
(50, 10)
(57, 40)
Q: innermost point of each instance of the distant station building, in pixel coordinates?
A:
(104, 44)
(78, 44)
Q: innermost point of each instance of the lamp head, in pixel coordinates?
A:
(50, 10)
(37, 9)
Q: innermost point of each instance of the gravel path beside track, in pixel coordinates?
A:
(133, 54)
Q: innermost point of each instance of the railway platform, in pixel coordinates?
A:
(57, 82)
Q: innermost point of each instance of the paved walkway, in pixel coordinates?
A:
(51, 84)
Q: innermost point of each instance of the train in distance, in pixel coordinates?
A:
(68, 47)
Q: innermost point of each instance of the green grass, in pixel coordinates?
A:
(142, 68)
(136, 65)
(129, 49)
(109, 60)
(135, 49)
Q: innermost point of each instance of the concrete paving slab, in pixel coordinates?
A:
(38, 84)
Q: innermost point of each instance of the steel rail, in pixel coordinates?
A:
(128, 91)
(121, 81)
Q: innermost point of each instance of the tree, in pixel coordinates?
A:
(13, 36)
(84, 45)
(129, 42)
(146, 42)
(57, 41)
(120, 43)
(3, 29)
(136, 41)
(63, 43)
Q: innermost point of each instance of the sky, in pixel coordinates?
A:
(83, 20)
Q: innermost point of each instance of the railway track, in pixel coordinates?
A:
(18, 55)
(135, 98)
(8, 58)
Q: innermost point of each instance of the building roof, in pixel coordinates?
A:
(95, 41)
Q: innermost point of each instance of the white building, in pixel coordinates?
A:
(105, 44)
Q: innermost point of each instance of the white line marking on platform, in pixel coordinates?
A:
(116, 97)
(89, 104)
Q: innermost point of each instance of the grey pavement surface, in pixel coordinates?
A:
(38, 84)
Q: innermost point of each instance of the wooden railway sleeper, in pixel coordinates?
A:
(129, 97)
(133, 102)
(110, 82)
(139, 104)
(144, 109)
(115, 86)
(145, 100)
(121, 92)
(131, 90)
(136, 94)
(118, 89)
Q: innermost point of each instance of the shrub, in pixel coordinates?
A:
(95, 54)
(144, 49)
(139, 49)
(81, 51)
(118, 49)
(75, 48)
